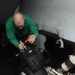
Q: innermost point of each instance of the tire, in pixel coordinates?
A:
(22, 73)
(28, 71)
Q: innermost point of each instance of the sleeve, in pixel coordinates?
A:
(11, 35)
(33, 28)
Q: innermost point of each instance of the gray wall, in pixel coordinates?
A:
(57, 16)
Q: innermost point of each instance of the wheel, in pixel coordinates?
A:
(22, 73)
(28, 71)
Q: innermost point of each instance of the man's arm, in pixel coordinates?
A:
(33, 29)
(11, 35)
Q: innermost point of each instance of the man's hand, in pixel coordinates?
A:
(31, 38)
(22, 47)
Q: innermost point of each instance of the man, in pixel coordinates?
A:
(21, 25)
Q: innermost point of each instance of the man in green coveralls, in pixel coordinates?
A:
(21, 25)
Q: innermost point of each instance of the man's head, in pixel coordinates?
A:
(18, 20)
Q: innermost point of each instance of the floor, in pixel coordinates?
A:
(7, 66)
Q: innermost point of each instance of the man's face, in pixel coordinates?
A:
(19, 21)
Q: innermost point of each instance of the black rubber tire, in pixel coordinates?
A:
(28, 71)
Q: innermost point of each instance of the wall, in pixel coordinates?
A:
(7, 8)
(56, 16)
